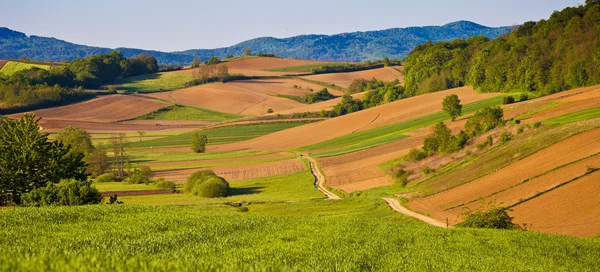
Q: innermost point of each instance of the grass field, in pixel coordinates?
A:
(219, 135)
(143, 157)
(122, 186)
(586, 114)
(180, 112)
(12, 67)
(390, 133)
(164, 81)
(281, 236)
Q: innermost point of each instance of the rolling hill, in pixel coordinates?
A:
(356, 46)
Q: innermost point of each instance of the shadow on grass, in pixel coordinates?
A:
(245, 191)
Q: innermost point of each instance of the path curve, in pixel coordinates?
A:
(319, 178)
(395, 204)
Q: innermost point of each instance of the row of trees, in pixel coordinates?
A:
(548, 56)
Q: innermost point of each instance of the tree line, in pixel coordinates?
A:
(548, 56)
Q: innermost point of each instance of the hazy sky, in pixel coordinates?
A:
(171, 25)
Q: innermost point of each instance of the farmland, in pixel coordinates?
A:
(164, 81)
(11, 67)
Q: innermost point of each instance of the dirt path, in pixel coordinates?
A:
(394, 204)
(319, 179)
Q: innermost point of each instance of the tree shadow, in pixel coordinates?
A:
(245, 191)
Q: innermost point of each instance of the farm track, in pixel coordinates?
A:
(396, 206)
(319, 178)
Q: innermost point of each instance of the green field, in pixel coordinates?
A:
(122, 186)
(12, 67)
(219, 135)
(163, 81)
(581, 115)
(316, 235)
(386, 134)
(180, 112)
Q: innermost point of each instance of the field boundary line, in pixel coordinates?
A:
(319, 178)
(395, 205)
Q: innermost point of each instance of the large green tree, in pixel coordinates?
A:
(451, 105)
(29, 161)
(199, 142)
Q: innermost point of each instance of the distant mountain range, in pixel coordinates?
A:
(356, 46)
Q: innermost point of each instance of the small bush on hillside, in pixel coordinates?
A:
(427, 170)
(401, 176)
(520, 129)
(162, 183)
(484, 120)
(505, 136)
(508, 100)
(494, 218)
(523, 97)
(488, 142)
(106, 177)
(415, 155)
(537, 124)
(139, 175)
(270, 111)
(206, 183)
(65, 193)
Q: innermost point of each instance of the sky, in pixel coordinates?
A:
(173, 25)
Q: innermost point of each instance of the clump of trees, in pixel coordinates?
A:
(213, 60)
(265, 55)
(196, 62)
(545, 57)
(351, 67)
(492, 218)
(209, 73)
(310, 98)
(484, 120)
(206, 183)
(29, 162)
(68, 192)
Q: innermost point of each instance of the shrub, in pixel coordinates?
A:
(199, 142)
(488, 142)
(537, 124)
(415, 155)
(140, 175)
(162, 183)
(212, 187)
(495, 218)
(106, 177)
(69, 192)
(402, 176)
(243, 209)
(427, 170)
(484, 120)
(508, 100)
(270, 111)
(523, 97)
(505, 136)
(520, 129)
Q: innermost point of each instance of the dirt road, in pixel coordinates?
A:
(319, 178)
(394, 204)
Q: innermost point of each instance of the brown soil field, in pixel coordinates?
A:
(227, 98)
(2, 63)
(344, 79)
(569, 150)
(281, 86)
(258, 66)
(573, 209)
(540, 184)
(239, 172)
(394, 112)
(215, 161)
(317, 107)
(104, 109)
(50, 125)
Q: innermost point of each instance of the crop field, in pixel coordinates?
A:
(180, 112)
(581, 115)
(219, 135)
(385, 74)
(300, 69)
(12, 67)
(366, 236)
(163, 81)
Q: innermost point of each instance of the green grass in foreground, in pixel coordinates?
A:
(163, 81)
(219, 135)
(386, 134)
(180, 112)
(575, 116)
(12, 67)
(318, 235)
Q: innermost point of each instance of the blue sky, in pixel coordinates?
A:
(171, 25)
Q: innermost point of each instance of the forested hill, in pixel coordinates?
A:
(548, 56)
(356, 46)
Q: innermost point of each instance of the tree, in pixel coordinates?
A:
(212, 61)
(247, 52)
(196, 62)
(386, 62)
(141, 133)
(98, 161)
(78, 139)
(29, 161)
(118, 162)
(199, 142)
(452, 106)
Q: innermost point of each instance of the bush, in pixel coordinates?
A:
(212, 187)
(495, 218)
(270, 111)
(69, 192)
(537, 124)
(484, 120)
(162, 183)
(520, 129)
(427, 170)
(488, 142)
(523, 97)
(415, 155)
(505, 136)
(508, 100)
(106, 177)
(402, 176)
(140, 175)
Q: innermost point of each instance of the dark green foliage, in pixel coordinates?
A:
(508, 100)
(546, 57)
(537, 124)
(310, 98)
(212, 61)
(451, 105)
(484, 120)
(206, 183)
(387, 92)
(114, 199)
(442, 141)
(402, 175)
(68, 192)
(505, 137)
(348, 105)
(494, 218)
(265, 55)
(29, 161)
(415, 155)
(141, 174)
(199, 142)
(78, 140)
(362, 85)
(489, 141)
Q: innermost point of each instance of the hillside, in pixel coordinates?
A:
(356, 46)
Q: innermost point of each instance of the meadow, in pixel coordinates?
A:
(163, 81)
(12, 67)
(188, 113)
